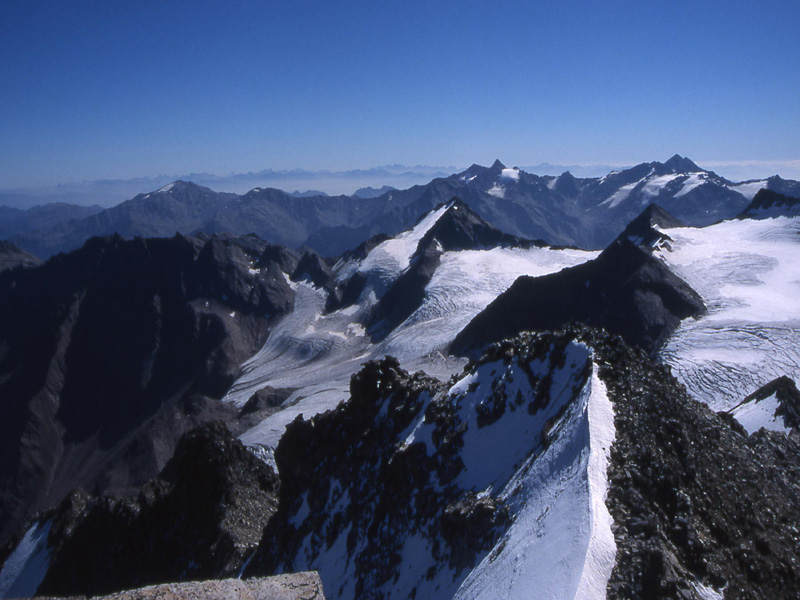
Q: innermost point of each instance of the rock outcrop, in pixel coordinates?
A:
(200, 519)
(110, 353)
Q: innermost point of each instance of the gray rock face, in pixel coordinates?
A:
(695, 501)
(201, 518)
(293, 586)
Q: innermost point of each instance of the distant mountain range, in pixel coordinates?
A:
(108, 192)
(562, 210)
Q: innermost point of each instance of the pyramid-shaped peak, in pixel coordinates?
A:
(655, 215)
(642, 230)
(681, 164)
(461, 228)
(497, 165)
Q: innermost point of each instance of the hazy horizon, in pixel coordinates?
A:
(109, 192)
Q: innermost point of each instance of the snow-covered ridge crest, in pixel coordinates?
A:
(560, 543)
(492, 486)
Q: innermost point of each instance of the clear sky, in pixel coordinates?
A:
(123, 88)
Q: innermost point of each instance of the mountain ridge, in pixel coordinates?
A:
(562, 210)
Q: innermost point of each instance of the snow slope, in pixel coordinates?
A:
(314, 353)
(560, 544)
(27, 565)
(530, 430)
(748, 273)
(756, 414)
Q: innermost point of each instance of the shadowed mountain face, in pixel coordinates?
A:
(109, 353)
(625, 290)
(647, 230)
(200, 519)
(15, 221)
(767, 203)
(563, 210)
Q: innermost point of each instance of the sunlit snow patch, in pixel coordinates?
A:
(694, 181)
(748, 189)
(620, 195)
(755, 414)
(497, 190)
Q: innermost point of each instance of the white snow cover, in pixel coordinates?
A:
(27, 565)
(497, 190)
(749, 189)
(167, 187)
(748, 273)
(706, 592)
(620, 195)
(694, 180)
(462, 286)
(754, 415)
(392, 256)
(560, 544)
(654, 185)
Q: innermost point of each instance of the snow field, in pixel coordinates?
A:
(315, 354)
(751, 333)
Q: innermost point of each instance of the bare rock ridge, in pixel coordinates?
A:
(295, 586)
(200, 519)
(625, 290)
(110, 353)
(695, 502)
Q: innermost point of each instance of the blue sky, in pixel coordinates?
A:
(118, 89)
